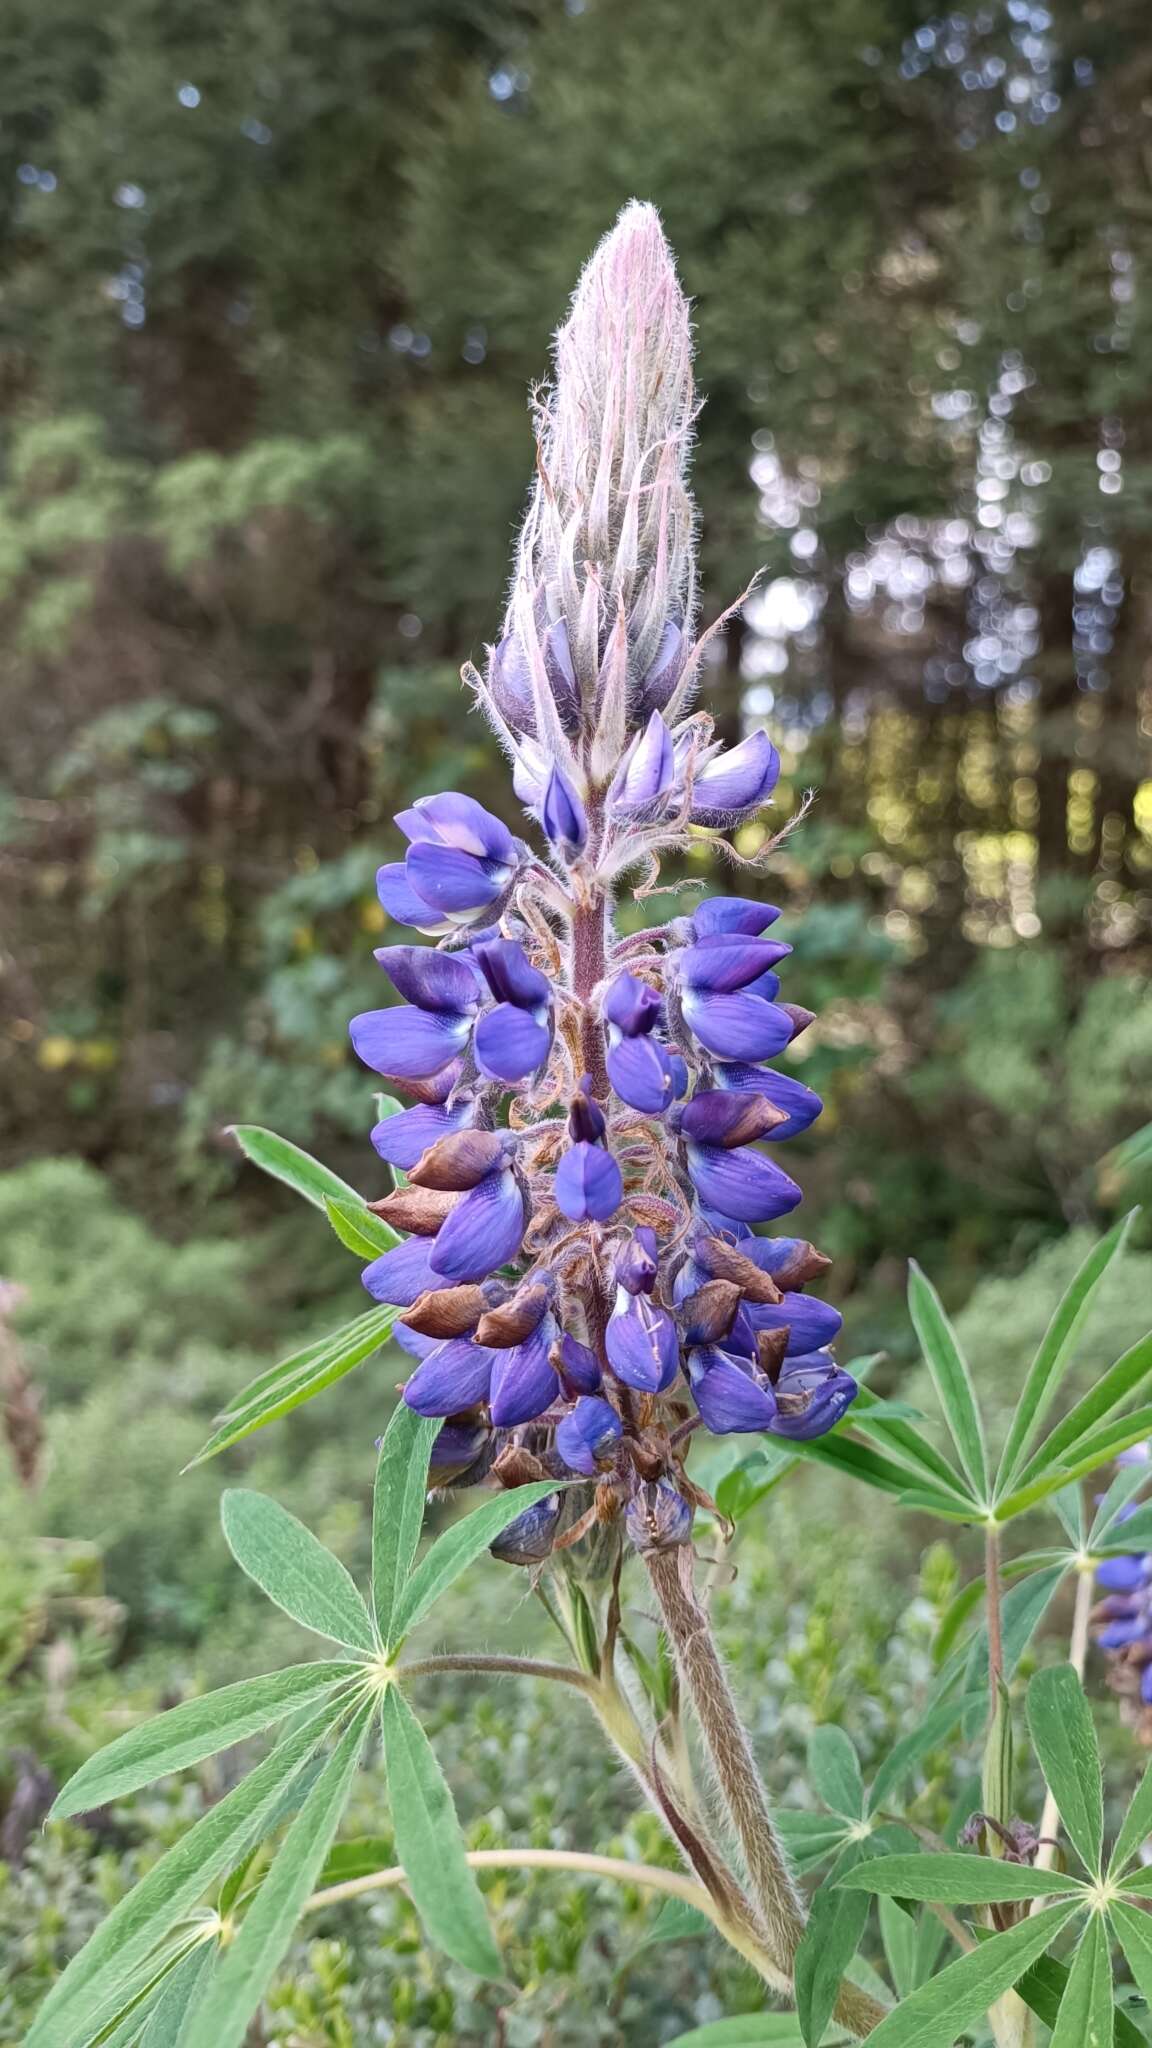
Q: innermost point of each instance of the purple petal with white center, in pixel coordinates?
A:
(741, 779)
(1122, 1574)
(632, 1005)
(563, 815)
(401, 1139)
(509, 974)
(637, 1261)
(826, 1390)
(728, 914)
(741, 1183)
(588, 1435)
(455, 1375)
(523, 1382)
(801, 1105)
(460, 822)
(643, 1074)
(408, 1043)
(579, 1366)
(737, 1027)
(647, 770)
(483, 1232)
(642, 1343)
(588, 1183)
(401, 1276)
(402, 904)
(432, 980)
(810, 1323)
(454, 883)
(724, 964)
(510, 1043)
(730, 1400)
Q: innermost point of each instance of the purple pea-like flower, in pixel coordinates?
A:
(514, 1037)
(534, 1286)
(588, 1435)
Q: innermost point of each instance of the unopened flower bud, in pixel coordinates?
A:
(658, 1517)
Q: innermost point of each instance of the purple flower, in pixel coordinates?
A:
(721, 1004)
(801, 1105)
(645, 1074)
(658, 1517)
(663, 674)
(735, 783)
(530, 1537)
(579, 1367)
(513, 1039)
(401, 1139)
(642, 1343)
(460, 862)
(563, 816)
(418, 1038)
(809, 1398)
(588, 1435)
(589, 1185)
(647, 771)
(524, 1382)
(725, 915)
(729, 1175)
(484, 1231)
(454, 1376)
(810, 1323)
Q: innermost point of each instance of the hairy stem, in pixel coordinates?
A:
(511, 1667)
(588, 963)
(778, 1901)
(673, 1882)
(992, 1608)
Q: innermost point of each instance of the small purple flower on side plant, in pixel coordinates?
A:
(589, 1156)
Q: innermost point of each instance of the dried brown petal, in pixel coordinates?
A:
(516, 1319)
(447, 1312)
(724, 1262)
(458, 1161)
(421, 1210)
(710, 1313)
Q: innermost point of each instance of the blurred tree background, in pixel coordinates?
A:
(275, 280)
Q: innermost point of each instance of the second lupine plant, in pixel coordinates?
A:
(595, 1135)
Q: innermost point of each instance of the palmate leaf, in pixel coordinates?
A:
(1085, 2019)
(138, 2003)
(956, 1880)
(456, 1549)
(871, 1416)
(1057, 1351)
(1128, 1481)
(198, 1728)
(292, 1567)
(398, 1509)
(750, 2030)
(1042, 1988)
(963, 1991)
(429, 1843)
(1134, 1534)
(1065, 1446)
(82, 2001)
(297, 1379)
(296, 1168)
(179, 1999)
(934, 1728)
(1133, 1930)
(861, 1461)
(834, 1769)
(951, 1377)
(836, 1922)
(1094, 1450)
(1064, 1738)
(1021, 1612)
(357, 1228)
(1135, 1827)
(251, 1961)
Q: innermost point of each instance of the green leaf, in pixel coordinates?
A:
(951, 1377)
(1068, 1440)
(1042, 1988)
(297, 1169)
(1056, 1353)
(965, 1989)
(298, 1379)
(746, 1485)
(358, 1858)
(363, 1233)
(898, 1932)
(85, 1996)
(198, 1728)
(292, 1567)
(1068, 1503)
(429, 1843)
(834, 1769)
(860, 1461)
(875, 1418)
(1133, 1930)
(1100, 1448)
(933, 1729)
(180, 1998)
(1134, 1534)
(1064, 1739)
(955, 1880)
(1086, 2008)
(1021, 1612)
(398, 1509)
(676, 1921)
(810, 1837)
(836, 1922)
(1127, 1482)
(251, 1962)
(456, 1549)
(1135, 1827)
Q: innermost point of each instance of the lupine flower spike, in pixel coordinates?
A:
(593, 1143)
